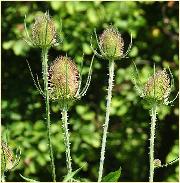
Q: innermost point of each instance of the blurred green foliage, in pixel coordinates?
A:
(154, 26)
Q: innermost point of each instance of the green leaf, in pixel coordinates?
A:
(27, 179)
(8, 44)
(112, 176)
(92, 16)
(71, 175)
(56, 5)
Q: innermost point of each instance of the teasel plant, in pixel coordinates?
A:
(155, 92)
(111, 47)
(9, 159)
(44, 36)
(65, 88)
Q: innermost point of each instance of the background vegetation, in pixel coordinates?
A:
(154, 26)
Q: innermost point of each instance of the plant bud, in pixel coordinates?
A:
(44, 31)
(158, 86)
(112, 43)
(63, 79)
(157, 162)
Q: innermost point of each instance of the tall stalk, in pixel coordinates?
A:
(152, 136)
(64, 87)
(66, 139)
(111, 47)
(156, 92)
(45, 78)
(106, 124)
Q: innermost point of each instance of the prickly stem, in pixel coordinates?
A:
(66, 139)
(152, 137)
(45, 78)
(105, 126)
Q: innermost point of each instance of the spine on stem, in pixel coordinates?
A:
(45, 78)
(106, 124)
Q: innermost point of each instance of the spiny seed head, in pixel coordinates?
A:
(157, 162)
(111, 42)
(63, 79)
(158, 86)
(6, 156)
(44, 31)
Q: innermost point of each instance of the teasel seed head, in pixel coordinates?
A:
(112, 43)
(44, 31)
(158, 87)
(63, 79)
(7, 157)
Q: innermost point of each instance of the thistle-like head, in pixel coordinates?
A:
(111, 43)
(63, 79)
(158, 87)
(9, 160)
(7, 156)
(43, 32)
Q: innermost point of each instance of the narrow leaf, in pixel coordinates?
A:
(112, 176)
(28, 179)
(71, 175)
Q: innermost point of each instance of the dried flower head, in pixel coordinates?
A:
(44, 31)
(63, 79)
(158, 87)
(112, 43)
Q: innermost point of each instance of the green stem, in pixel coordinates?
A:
(105, 126)
(66, 139)
(152, 136)
(3, 178)
(45, 78)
